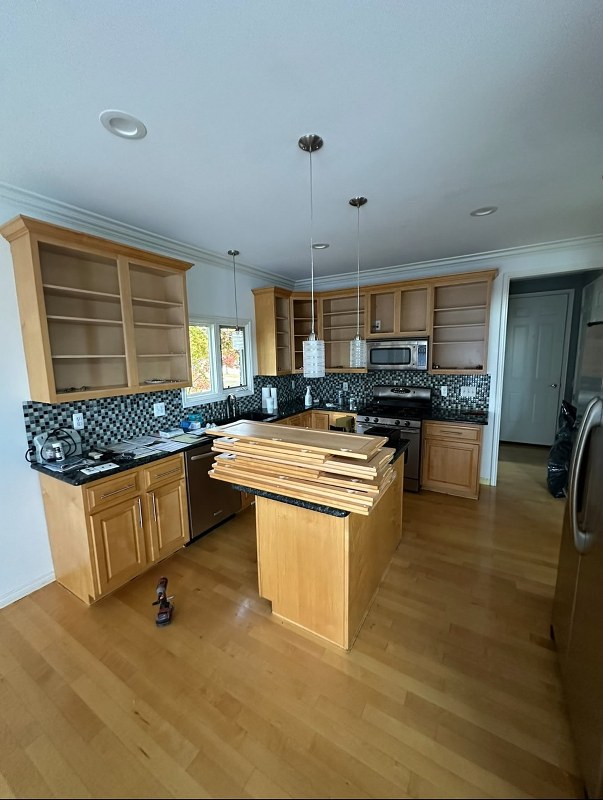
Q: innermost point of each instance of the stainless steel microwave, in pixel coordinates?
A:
(407, 354)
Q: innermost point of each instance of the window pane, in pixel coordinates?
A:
(233, 366)
(200, 358)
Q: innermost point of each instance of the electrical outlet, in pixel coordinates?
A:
(293, 384)
(345, 386)
(444, 391)
(78, 421)
(159, 409)
(467, 391)
(377, 325)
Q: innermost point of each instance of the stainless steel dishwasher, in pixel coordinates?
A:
(209, 502)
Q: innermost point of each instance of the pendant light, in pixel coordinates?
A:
(237, 338)
(358, 344)
(313, 348)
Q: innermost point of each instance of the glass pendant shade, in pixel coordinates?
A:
(358, 352)
(313, 348)
(238, 339)
(358, 344)
(314, 357)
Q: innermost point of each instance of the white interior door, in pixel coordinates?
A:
(534, 367)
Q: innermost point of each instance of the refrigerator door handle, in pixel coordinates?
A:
(593, 416)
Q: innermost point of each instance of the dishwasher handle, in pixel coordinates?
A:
(200, 458)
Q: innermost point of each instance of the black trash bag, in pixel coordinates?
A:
(561, 452)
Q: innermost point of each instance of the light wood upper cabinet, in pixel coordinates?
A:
(340, 314)
(273, 330)
(461, 313)
(301, 322)
(452, 312)
(399, 310)
(98, 318)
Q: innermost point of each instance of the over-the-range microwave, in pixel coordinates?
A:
(407, 354)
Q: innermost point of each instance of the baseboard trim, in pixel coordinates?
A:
(23, 591)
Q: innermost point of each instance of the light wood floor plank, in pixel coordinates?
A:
(451, 690)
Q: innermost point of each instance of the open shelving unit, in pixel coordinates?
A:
(460, 327)
(339, 321)
(98, 318)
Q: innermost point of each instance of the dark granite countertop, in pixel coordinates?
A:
(476, 416)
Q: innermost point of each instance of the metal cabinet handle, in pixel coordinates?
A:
(199, 458)
(217, 512)
(117, 491)
(140, 511)
(554, 385)
(154, 507)
(167, 472)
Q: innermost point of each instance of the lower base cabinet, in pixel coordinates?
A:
(106, 532)
(451, 458)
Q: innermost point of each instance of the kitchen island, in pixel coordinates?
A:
(320, 565)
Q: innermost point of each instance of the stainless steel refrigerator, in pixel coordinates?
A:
(577, 623)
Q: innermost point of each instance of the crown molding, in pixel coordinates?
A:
(69, 216)
(585, 252)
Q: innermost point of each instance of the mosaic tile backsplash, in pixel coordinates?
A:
(113, 418)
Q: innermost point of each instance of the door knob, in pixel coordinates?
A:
(554, 385)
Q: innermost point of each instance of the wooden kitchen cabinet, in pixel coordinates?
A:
(340, 318)
(108, 531)
(99, 318)
(273, 331)
(451, 458)
(301, 325)
(399, 310)
(461, 312)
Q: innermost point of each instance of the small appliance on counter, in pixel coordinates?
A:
(59, 449)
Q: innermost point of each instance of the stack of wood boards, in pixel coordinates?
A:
(341, 470)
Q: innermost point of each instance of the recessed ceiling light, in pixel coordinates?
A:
(123, 124)
(320, 246)
(484, 211)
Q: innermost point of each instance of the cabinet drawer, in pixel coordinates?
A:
(111, 490)
(166, 469)
(440, 430)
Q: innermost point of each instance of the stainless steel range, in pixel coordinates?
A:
(396, 412)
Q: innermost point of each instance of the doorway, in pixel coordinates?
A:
(537, 340)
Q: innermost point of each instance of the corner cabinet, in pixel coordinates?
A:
(451, 458)
(273, 330)
(106, 532)
(98, 318)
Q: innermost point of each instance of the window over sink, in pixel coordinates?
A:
(218, 369)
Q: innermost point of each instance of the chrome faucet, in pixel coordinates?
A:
(231, 406)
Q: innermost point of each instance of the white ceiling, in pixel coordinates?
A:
(430, 108)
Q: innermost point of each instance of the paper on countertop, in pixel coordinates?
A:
(169, 446)
(187, 438)
(141, 441)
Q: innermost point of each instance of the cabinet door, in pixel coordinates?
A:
(320, 420)
(118, 542)
(451, 467)
(167, 513)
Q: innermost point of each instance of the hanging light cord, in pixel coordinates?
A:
(311, 244)
(358, 273)
(234, 274)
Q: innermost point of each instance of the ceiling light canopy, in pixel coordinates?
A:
(120, 123)
(313, 348)
(484, 211)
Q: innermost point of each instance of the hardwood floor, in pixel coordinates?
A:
(451, 690)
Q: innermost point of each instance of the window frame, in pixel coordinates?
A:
(218, 392)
